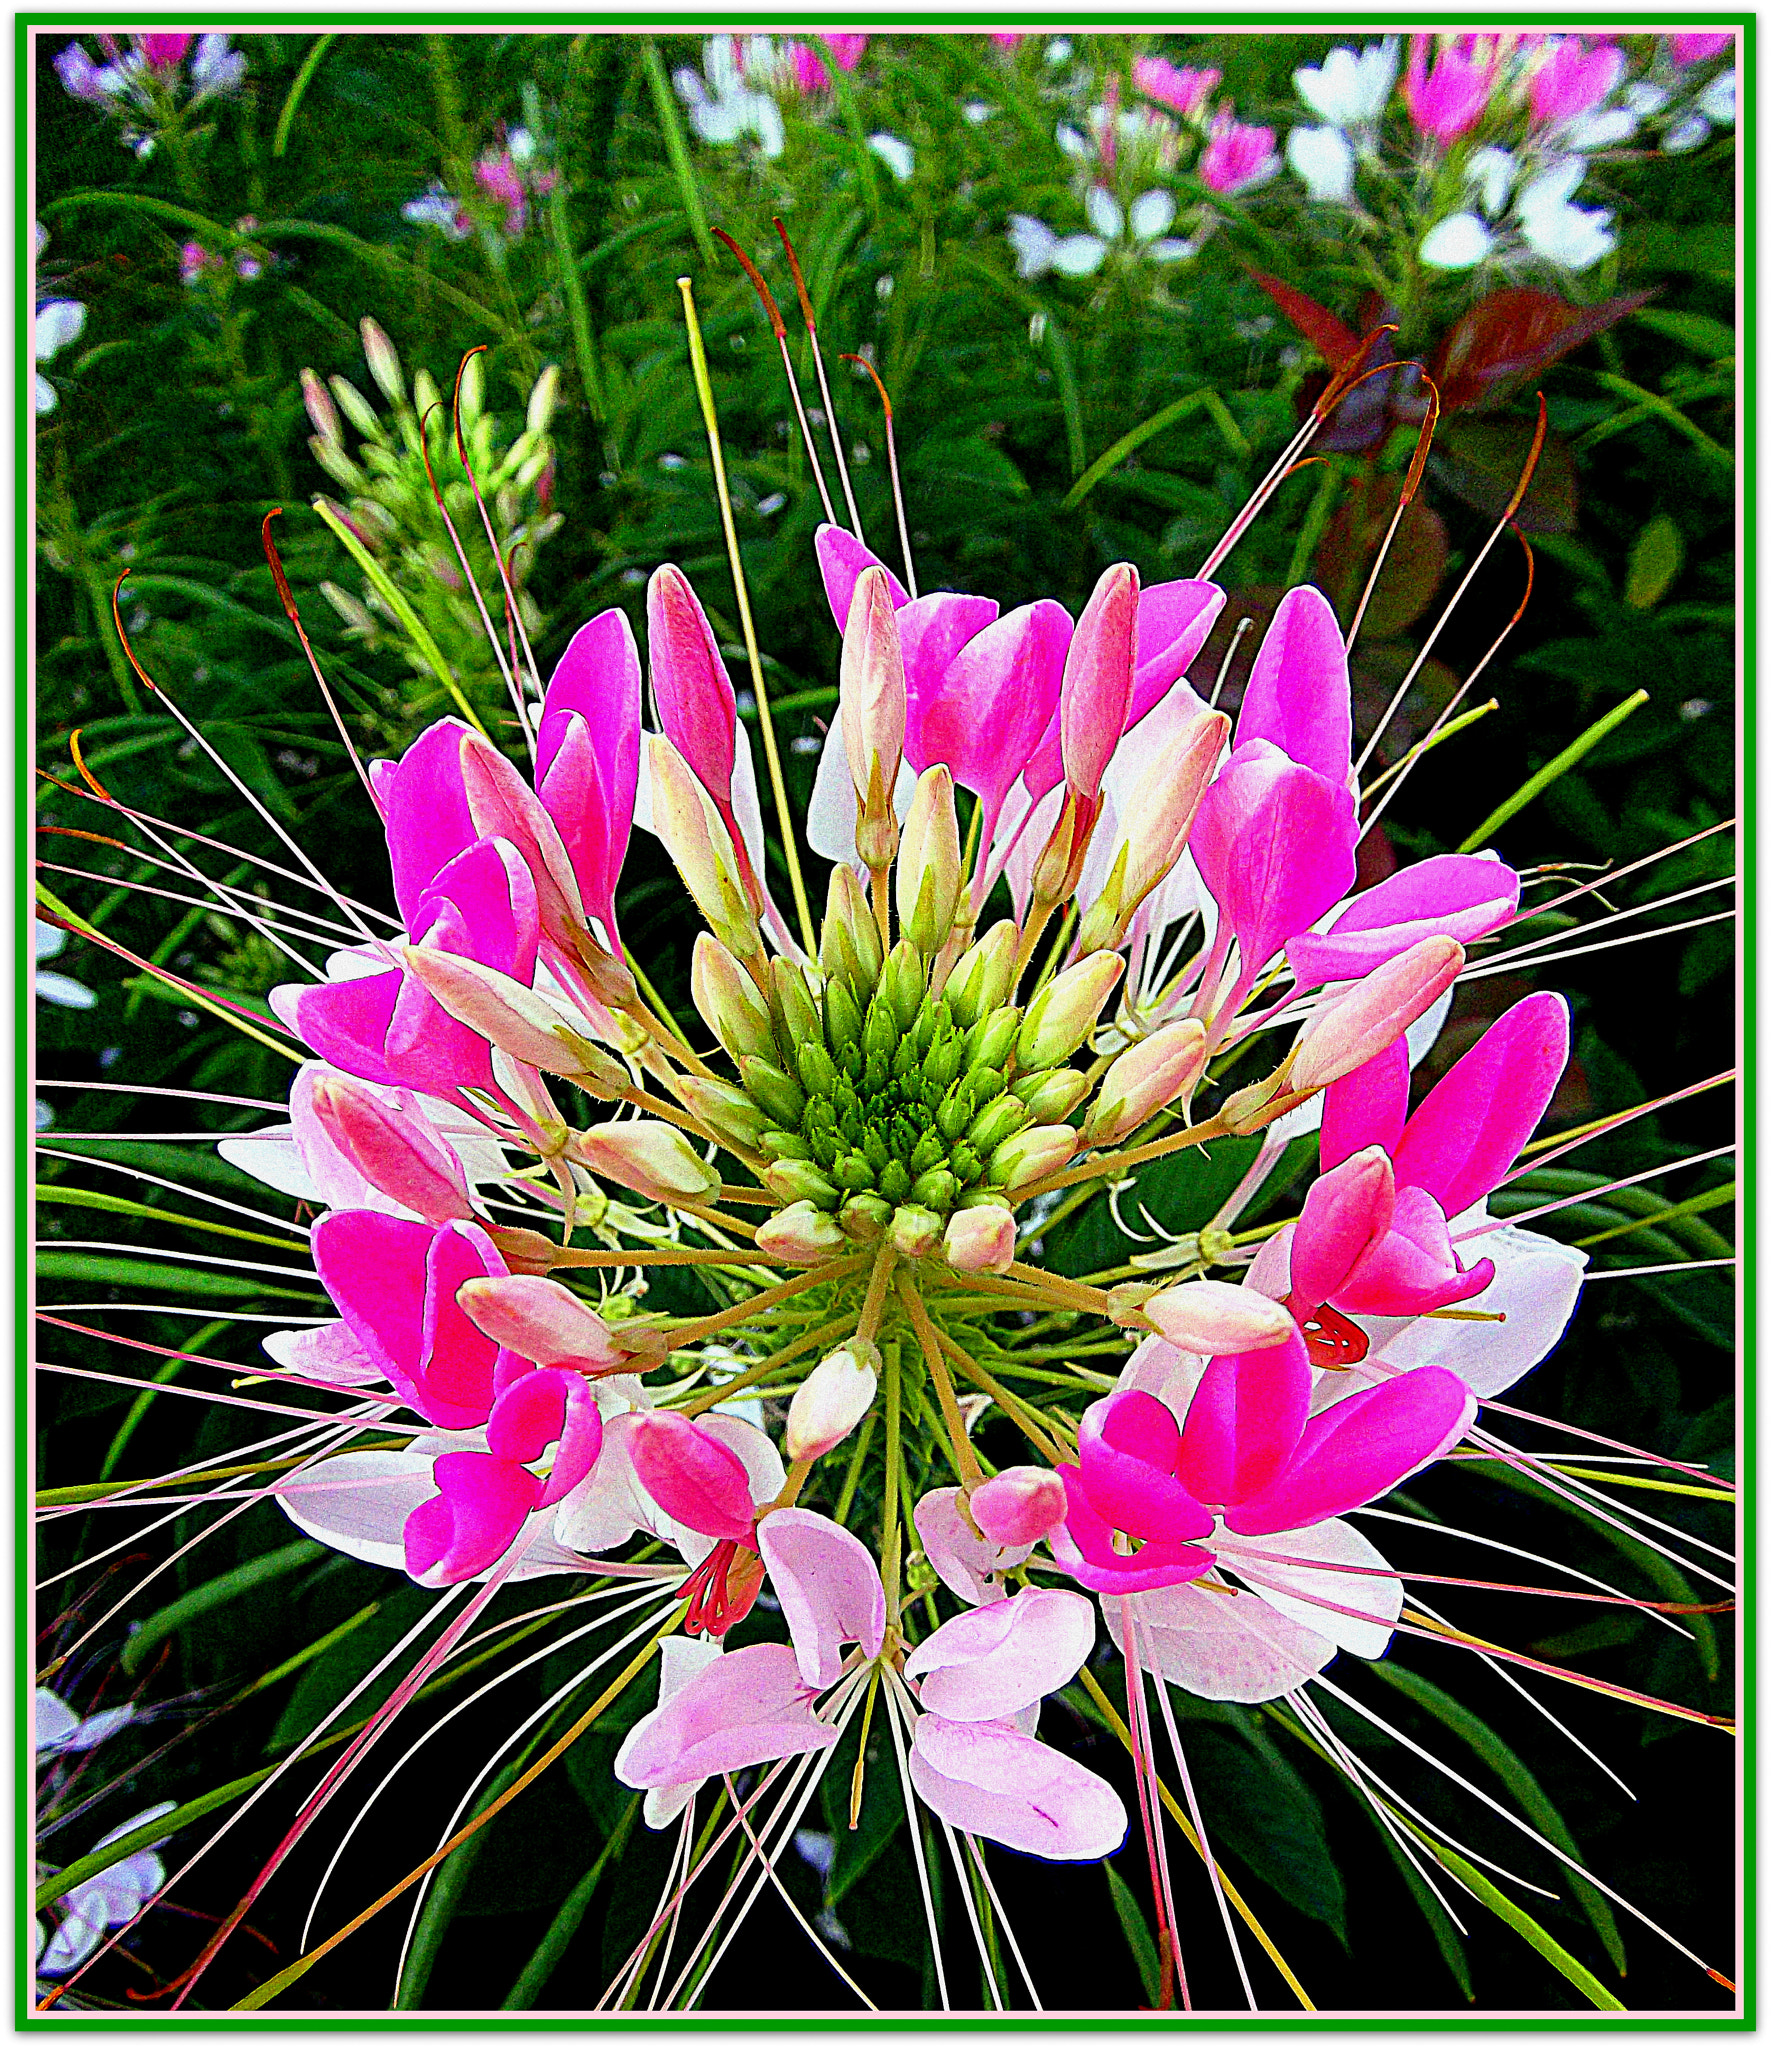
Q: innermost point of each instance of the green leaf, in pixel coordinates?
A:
(138, 1274)
(1711, 339)
(972, 461)
(1655, 560)
(328, 1680)
(213, 1593)
(1137, 1932)
(1255, 1804)
(118, 1205)
(1506, 1765)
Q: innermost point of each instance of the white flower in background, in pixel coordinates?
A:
(722, 107)
(1072, 141)
(112, 1899)
(897, 156)
(977, 112)
(1348, 90)
(1143, 230)
(1323, 159)
(1490, 173)
(61, 989)
(1057, 51)
(1457, 243)
(58, 322)
(436, 208)
(1716, 101)
(1646, 98)
(1603, 128)
(1691, 133)
(1572, 237)
(56, 1730)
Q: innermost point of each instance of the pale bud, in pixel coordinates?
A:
(849, 944)
(726, 1111)
(1251, 1108)
(1373, 1013)
(471, 392)
(864, 1217)
(523, 1251)
(1158, 820)
(1145, 1078)
(983, 975)
(356, 408)
(1063, 1014)
(543, 399)
(872, 708)
(836, 1394)
(653, 1159)
(915, 1231)
(980, 1240)
(540, 1319)
(799, 1181)
(802, 1235)
(337, 464)
(1051, 1096)
(320, 408)
(397, 1152)
(522, 1022)
(729, 1001)
(928, 861)
(1031, 1154)
(695, 837)
(1211, 1318)
(384, 362)
(1019, 1506)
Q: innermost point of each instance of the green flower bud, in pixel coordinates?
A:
(954, 1117)
(802, 1234)
(1052, 1096)
(793, 1005)
(1063, 1014)
(862, 1218)
(936, 1189)
(771, 1089)
(879, 1034)
(817, 1070)
(940, 1069)
(903, 983)
(783, 1145)
(915, 1231)
(983, 974)
(729, 1002)
(1001, 1119)
(989, 1044)
(928, 877)
(795, 1180)
(894, 1182)
(1030, 1155)
(929, 1150)
(842, 1015)
(853, 1171)
(966, 1162)
(726, 1111)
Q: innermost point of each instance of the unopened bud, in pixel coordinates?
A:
(1098, 673)
(872, 708)
(336, 463)
(726, 1111)
(519, 1021)
(320, 408)
(1157, 822)
(1211, 1318)
(543, 398)
(989, 1044)
(523, 1251)
(1019, 1506)
(850, 944)
(794, 1010)
(903, 983)
(356, 408)
(775, 1092)
(1051, 1096)
(980, 1240)
(798, 1180)
(996, 1122)
(471, 392)
(928, 861)
(915, 1231)
(983, 975)
(863, 1217)
(653, 1159)
(1145, 1078)
(1373, 1013)
(540, 1319)
(802, 1235)
(384, 363)
(1030, 1155)
(1063, 1014)
(729, 1002)
(695, 837)
(836, 1394)
(1251, 1108)
(399, 1153)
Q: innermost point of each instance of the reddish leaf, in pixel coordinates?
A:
(1333, 340)
(1514, 333)
(1481, 459)
(1412, 571)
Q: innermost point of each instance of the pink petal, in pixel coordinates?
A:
(1471, 1128)
(841, 558)
(965, 1562)
(828, 1586)
(1245, 1421)
(994, 1781)
(1412, 1267)
(1453, 894)
(692, 1476)
(1174, 622)
(543, 1407)
(933, 632)
(329, 1351)
(1298, 695)
(1346, 1212)
(1220, 1645)
(750, 1707)
(466, 1528)
(1083, 1547)
(992, 702)
(1127, 1449)
(1369, 1106)
(1359, 1449)
(458, 1363)
(1095, 695)
(373, 1267)
(428, 822)
(996, 1660)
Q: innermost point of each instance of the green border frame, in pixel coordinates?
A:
(1745, 2020)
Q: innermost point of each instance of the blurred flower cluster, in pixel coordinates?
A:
(56, 324)
(416, 592)
(506, 178)
(150, 84)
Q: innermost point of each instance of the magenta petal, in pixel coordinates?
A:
(458, 1361)
(372, 1265)
(542, 1407)
(1127, 1450)
(932, 631)
(471, 1524)
(1244, 1421)
(1471, 1128)
(428, 822)
(841, 558)
(1275, 846)
(828, 1586)
(1454, 894)
(992, 1780)
(1174, 622)
(696, 704)
(1298, 695)
(587, 756)
(1345, 1213)
(1369, 1106)
(486, 902)
(1360, 1448)
(1083, 1547)
(1412, 1267)
(1095, 695)
(692, 1476)
(991, 1663)
(748, 1707)
(993, 702)
(347, 1022)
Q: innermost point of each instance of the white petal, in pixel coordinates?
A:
(1033, 243)
(896, 154)
(1691, 133)
(64, 991)
(58, 322)
(1152, 214)
(1458, 243)
(270, 1156)
(1602, 129)
(52, 1721)
(1575, 237)
(1104, 214)
(46, 400)
(1323, 159)
(1717, 99)
(1221, 1645)
(1491, 173)
(1310, 1598)
(1551, 190)
(1079, 255)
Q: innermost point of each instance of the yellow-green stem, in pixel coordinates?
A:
(965, 1459)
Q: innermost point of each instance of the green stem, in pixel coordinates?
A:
(577, 306)
(894, 1448)
(554, 1943)
(677, 149)
(1552, 771)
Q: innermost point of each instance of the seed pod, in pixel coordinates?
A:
(778, 1096)
(983, 974)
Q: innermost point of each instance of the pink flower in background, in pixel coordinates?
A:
(496, 175)
(164, 54)
(1237, 157)
(1181, 87)
(847, 50)
(1699, 48)
(1449, 100)
(1573, 80)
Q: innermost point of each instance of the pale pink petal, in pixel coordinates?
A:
(828, 1586)
(996, 1660)
(993, 1781)
(966, 1564)
(750, 1707)
(1218, 1644)
(1311, 1598)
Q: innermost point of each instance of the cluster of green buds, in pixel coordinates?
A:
(417, 594)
